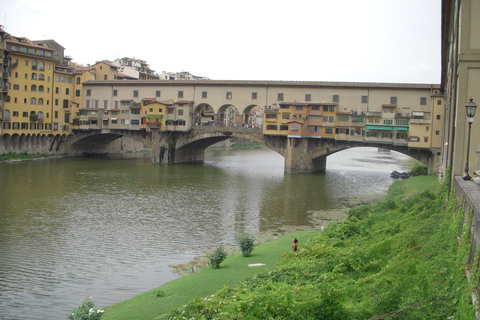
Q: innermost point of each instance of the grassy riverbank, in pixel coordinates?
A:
(21, 156)
(396, 259)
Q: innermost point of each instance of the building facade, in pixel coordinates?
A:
(460, 82)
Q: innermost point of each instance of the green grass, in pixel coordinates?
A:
(206, 281)
(247, 145)
(22, 156)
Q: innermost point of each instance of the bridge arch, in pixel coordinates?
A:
(252, 116)
(228, 115)
(203, 113)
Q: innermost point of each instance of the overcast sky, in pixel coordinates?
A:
(311, 40)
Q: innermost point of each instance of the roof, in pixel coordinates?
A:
(264, 83)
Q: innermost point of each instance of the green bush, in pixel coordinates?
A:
(86, 310)
(419, 170)
(217, 257)
(246, 242)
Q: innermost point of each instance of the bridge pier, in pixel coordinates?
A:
(299, 156)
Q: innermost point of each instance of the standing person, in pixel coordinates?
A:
(294, 246)
(476, 177)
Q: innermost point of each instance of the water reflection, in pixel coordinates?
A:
(109, 228)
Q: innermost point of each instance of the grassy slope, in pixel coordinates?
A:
(397, 259)
(205, 282)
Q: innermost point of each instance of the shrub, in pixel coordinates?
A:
(419, 170)
(246, 243)
(217, 257)
(86, 310)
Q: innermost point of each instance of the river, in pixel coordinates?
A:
(110, 227)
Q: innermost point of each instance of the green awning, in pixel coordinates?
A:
(154, 116)
(385, 128)
(401, 128)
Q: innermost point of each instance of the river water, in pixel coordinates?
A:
(110, 227)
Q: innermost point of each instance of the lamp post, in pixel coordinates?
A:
(471, 107)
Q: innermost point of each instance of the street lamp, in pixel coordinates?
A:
(471, 107)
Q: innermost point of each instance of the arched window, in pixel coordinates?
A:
(33, 101)
(40, 101)
(34, 65)
(40, 88)
(78, 80)
(6, 114)
(40, 116)
(9, 86)
(41, 66)
(33, 88)
(34, 76)
(41, 77)
(7, 99)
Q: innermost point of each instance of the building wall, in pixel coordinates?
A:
(31, 90)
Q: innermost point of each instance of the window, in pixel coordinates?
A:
(342, 118)
(331, 119)
(364, 99)
(331, 108)
(40, 88)
(325, 118)
(204, 94)
(294, 127)
(285, 116)
(78, 80)
(56, 115)
(270, 116)
(105, 104)
(56, 102)
(401, 122)
(254, 96)
(15, 113)
(105, 77)
(40, 101)
(96, 103)
(114, 92)
(180, 94)
(423, 101)
(135, 93)
(437, 133)
(315, 118)
(180, 112)
(34, 65)
(41, 66)
(33, 88)
(387, 121)
(328, 130)
(271, 127)
(425, 139)
(157, 93)
(325, 108)
(77, 93)
(299, 108)
(439, 102)
(283, 127)
(33, 101)
(170, 110)
(34, 76)
(89, 92)
(65, 103)
(393, 100)
(315, 108)
(336, 98)
(135, 121)
(229, 95)
(67, 91)
(438, 117)
(280, 96)
(308, 97)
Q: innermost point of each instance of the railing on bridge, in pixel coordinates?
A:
(227, 129)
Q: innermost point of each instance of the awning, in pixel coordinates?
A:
(385, 128)
(113, 119)
(401, 128)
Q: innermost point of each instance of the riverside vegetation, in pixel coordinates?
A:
(402, 258)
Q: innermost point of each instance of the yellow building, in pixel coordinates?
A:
(4, 65)
(29, 104)
(106, 70)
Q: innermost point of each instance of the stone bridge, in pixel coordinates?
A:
(302, 155)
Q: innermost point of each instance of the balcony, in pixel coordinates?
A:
(154, 125)
(33, 117)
